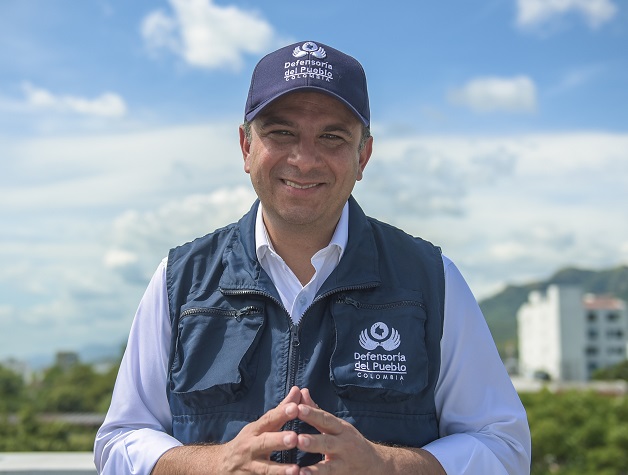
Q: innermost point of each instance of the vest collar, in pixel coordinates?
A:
(357, 268)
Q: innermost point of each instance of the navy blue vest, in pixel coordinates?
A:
(368, 347)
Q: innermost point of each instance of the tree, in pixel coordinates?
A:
(576, 432)
(12, 390)
(619, 371)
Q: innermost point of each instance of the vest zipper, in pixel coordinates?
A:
(237, 314)
(290, 456)
(349, 301)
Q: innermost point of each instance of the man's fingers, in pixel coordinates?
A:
(264, 444)
(275, 418)
(293, 396)
(323, 421)
(321, 468)
(274, 468)
(319, 444)
(306, 398)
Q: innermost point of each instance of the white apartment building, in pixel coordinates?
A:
(568, 335)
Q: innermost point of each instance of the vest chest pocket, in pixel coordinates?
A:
(380, 353)
(213, 362)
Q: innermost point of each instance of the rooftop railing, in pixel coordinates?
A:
(47, 463)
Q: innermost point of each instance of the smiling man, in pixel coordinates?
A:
(308, 338)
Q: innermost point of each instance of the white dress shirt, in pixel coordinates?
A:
(482, 423)
(295, 297)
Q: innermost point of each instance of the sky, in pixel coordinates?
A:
(500, 128)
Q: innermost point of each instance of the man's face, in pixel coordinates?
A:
(303, 160)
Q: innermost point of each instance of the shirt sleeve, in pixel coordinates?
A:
(482, 422)
(137, 428)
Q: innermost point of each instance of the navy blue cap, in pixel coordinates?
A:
(309, 66)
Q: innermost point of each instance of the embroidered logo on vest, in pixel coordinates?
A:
(380, 335)
(377, 365)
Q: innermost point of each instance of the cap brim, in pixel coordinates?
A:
(255, 112)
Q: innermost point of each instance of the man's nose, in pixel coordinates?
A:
(305, 155)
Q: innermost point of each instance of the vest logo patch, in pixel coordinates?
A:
(375, 364)
(380, 335)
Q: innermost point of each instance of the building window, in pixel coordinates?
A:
(616, 334)
(612, 317)
(592, 317)
(616, 351)
(593, 334)
(592, 351)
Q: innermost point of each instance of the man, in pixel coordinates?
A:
(307, 338)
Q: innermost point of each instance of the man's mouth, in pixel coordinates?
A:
(299, 187)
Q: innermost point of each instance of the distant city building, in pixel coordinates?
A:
(66, 359)
(18, 367)
(565, 335)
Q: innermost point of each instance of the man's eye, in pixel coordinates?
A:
(281, 132)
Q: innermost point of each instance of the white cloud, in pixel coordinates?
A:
(107, 104)
(98, 213)
(119, 258)
(206, 35)
(506, 209)
(532, 13)
(494, 94)
(436, 179)
(119, 170)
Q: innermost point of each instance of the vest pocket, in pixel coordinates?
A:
(380, 353)
(213, 362)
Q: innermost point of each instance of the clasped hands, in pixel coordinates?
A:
(346, 451)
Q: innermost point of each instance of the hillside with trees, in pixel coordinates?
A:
(500, 310)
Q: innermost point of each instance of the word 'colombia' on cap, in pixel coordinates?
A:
(309, 66)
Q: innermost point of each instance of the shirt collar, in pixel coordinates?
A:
(338, 240)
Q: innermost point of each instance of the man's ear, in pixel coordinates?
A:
(364, 157)
(245, 146)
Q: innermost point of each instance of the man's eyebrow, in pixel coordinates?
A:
(338, 128)
(269, 121)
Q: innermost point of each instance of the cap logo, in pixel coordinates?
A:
(309, 47)
(311, 67)
(307, 65)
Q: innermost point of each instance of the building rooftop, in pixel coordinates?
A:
(602, 302)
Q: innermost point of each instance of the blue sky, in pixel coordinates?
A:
(501, 134)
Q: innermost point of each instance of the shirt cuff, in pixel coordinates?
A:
(463, 453)
(141, 450)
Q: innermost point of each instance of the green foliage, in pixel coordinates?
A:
(29, 434)
(573, 433)
(12, 390)
(57, 391)
(78, 389)
(576, 432)
(619, 371)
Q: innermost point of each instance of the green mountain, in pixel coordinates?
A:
(500, 310)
